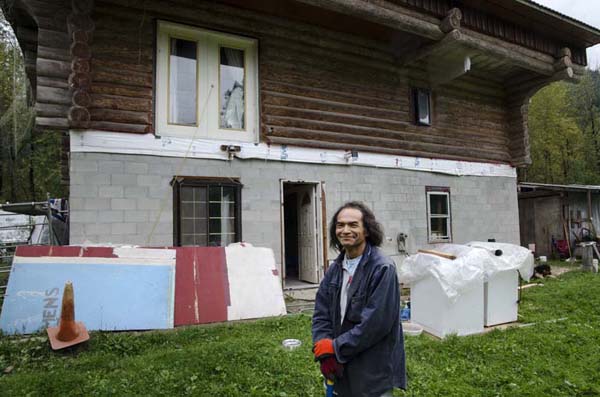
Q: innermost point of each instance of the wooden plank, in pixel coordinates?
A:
(398, 18)
(121, 116)
(437, 253)
(53, 95)
(52, 122)
(121, 102)
(51, 110)
(341, 144)
(53, 68)
(350, 140)
(120, 127)
(121, 90)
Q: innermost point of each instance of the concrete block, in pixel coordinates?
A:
(83, 191)
(97, 228)
(151, 180)
(148, 204)
(123, 228)
(96, 204)
(122, 204)
(110, 167)
(83, 216)
(113, 191)
(135, 192)
(84, 166)
(110, 216)
(124, 179)
(136, 216)
(136, 168)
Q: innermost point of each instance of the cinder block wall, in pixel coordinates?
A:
(117, 198)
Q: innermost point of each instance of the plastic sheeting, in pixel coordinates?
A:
(122, 143)
(474, 263)
(513, 257)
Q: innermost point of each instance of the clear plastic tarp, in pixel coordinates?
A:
(475, 263)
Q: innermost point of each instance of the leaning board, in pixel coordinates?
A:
(115, 289)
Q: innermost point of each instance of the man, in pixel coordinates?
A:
(356, 327)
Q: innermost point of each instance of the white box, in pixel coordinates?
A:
(501, 295)
(431, 308)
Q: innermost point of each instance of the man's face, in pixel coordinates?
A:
(349, 229)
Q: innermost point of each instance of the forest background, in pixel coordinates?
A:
(564, 133)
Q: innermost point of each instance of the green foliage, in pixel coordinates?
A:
(29, 159)
(564, 131)
(549, 358)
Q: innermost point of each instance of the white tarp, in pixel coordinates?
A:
(512, 257)
(149, 144)
(474, 263)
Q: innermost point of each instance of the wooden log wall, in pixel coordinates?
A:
(318, 87)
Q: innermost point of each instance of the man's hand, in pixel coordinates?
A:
(323, 349)
(331, 369)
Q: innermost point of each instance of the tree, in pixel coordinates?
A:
(29, 159)
(558, 146)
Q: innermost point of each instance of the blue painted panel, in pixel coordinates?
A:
(107, 296)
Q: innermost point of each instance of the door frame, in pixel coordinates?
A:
(318, 190)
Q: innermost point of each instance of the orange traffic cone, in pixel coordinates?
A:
(68, 332)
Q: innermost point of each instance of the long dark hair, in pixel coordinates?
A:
(373, 229)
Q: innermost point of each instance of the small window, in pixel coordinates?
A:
(206, 211)
(206, 84)
(422, 101)
(439, 224)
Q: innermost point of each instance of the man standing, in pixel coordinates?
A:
(356, 327)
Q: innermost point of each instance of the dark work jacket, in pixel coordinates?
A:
(369, 342)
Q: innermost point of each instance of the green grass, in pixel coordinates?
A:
(246, 359)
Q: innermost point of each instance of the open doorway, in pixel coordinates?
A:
(302, 234)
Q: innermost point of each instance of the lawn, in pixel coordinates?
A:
(550, 358)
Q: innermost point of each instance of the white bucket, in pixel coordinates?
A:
(412, 329)
(543, 259)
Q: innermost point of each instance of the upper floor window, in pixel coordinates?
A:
(422, 102)
(206, 84)
(439, 224)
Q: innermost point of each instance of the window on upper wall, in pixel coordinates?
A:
(422, 106)
(439, 220)
(206, 84)
(206, 212)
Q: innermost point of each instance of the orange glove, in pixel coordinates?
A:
(323, 349)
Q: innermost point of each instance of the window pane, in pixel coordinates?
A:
(200, 194)
(439, 228)
(187, 226)
(214, 226)
(214, 193)
(423, 116)
(187, 193)
(438, 204)
(229, 193)
(232, 88)
(187, 239)
(214, 240)
(182, 82)
(222, 210)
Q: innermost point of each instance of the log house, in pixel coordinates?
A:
(188, 122)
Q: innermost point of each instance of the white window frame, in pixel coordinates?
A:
(439, 239)
(208, 80)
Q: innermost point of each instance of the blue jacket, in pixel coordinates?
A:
(369, 342)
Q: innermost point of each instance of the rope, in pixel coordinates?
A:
(183, 160)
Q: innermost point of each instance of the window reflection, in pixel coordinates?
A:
(182, 82)
(232, 89)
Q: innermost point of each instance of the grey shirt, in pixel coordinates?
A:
(349, 267)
